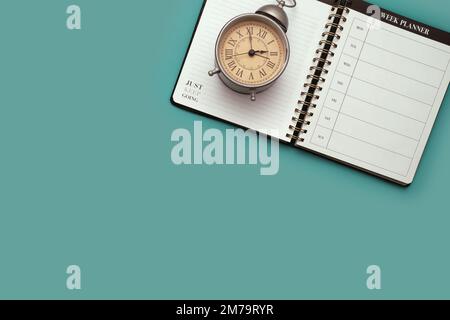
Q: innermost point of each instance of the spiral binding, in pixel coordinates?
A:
(330, 37)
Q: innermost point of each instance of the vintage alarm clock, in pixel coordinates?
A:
(252, 50)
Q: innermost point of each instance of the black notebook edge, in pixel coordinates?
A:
(207, 115)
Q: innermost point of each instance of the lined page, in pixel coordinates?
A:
(382, 99)
(274, 108)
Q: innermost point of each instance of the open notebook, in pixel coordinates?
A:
(384, 84)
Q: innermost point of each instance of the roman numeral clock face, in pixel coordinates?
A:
(252, 53)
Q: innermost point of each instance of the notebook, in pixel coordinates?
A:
(384, 83)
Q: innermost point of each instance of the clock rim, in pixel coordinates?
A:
(262, 18)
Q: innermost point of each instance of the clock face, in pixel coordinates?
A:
(252, 52)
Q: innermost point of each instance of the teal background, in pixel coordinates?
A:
(86, 178)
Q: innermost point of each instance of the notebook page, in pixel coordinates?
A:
(384, 91)
(274, 108)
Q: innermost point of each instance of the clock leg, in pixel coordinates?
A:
(214, 72)
(253, 96)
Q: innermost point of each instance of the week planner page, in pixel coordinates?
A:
(382, 96)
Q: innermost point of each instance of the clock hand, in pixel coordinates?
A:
(251, 39)
(258, 55)
(241, 54)
(252, 53)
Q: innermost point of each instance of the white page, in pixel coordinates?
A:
(274, 108)
(381, 99)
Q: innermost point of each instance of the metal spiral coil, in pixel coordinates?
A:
(328, 43)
